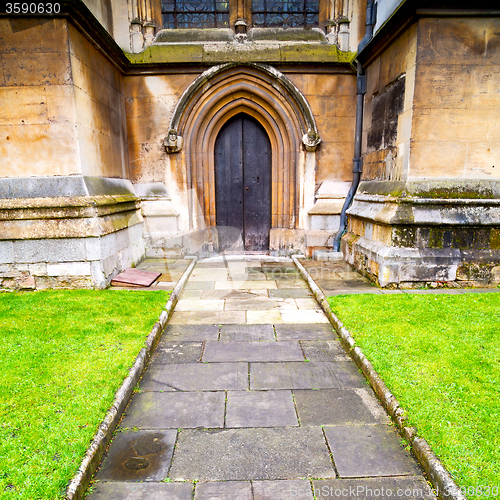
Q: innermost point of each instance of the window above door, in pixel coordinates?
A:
(209, 14)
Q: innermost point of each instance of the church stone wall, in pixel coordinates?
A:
(455, 129)
(68, 214)
(428, 206)
(38, 123)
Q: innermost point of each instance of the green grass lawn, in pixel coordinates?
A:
(440, 357)
(64, 354)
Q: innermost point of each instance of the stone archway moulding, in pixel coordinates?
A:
(263, 93)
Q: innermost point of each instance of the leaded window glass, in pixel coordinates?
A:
(286, 14)
(195, 14)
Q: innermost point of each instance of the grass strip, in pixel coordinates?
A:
(64, 354)
(440, 357)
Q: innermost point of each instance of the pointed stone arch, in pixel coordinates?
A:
(269, 97)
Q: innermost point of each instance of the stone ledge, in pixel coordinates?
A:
(68, 228)
(408, 211)
(219, 53)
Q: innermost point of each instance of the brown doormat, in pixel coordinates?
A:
(135, 277)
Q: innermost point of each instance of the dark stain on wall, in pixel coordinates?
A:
(387, 105)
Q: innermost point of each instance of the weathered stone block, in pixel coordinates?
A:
(49, 250)
(6, 252)
(39, 269)
(69, 269)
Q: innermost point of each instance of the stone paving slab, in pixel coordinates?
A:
(248, 277)
(305, 332)
(260, 409)
(282, 490)
(207, 317)
(332, 407)
(348, 375)
(196, 377)
(324, 350)
(373, 450)
(383, 488)
(199, 305)
(285, 284)
(224, 490)
(244, 285)
(172, 410)
(199, 285)
(259, 303)
(246, 454)
(264, 376)
(190, 294)
(217, 352)
(177, 352)
(246, 333)
(290, 293)
(190, 332)
(232, 294)
(138, 456)
(141, 491)
(271, 317)
(254, 490)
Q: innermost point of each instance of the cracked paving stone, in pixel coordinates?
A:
(173, 410)
(248, 454)
(196, 377)
(177, 352)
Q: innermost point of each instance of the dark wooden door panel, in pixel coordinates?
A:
(243, 180)
(229, 175)
(257, 182)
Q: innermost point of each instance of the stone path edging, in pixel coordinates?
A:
(445, 487)
(93, 456)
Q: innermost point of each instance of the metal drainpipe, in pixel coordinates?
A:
(360, 98)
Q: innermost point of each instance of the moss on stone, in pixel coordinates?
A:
(495, 239)
(175, 53)
(228, 52)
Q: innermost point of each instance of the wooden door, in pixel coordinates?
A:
(243, 180)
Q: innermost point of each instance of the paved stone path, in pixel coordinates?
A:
(250, 395)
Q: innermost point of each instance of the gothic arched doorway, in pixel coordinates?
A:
(243, 180)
